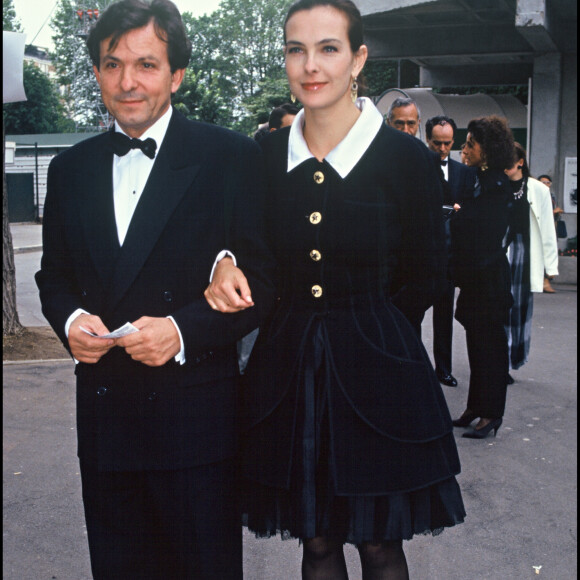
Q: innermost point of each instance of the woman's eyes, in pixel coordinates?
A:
(299, 50)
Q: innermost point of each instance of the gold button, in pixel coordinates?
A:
(316, 255)
(315, 217)
(319, 177)
(316, 291)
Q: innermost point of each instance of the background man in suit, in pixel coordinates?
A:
(130, 235)
(404, 115)
(440, 132)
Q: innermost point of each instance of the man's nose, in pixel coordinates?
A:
(128, 81)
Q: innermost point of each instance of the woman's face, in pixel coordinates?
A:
(515, 172)
(473, 153)
(319, 61)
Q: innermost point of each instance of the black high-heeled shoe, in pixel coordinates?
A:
(465, 419)
(483, 432)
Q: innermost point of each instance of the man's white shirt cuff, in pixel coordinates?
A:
(180, 356)
(223, 254)
(69, 321)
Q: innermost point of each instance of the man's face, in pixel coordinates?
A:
(136, 79)
(441, 140)
(287, 120)
(546, 181)
(406, 119)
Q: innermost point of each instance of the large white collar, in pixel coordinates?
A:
(349, 151)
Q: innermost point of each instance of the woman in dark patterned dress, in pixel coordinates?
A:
(348, 436)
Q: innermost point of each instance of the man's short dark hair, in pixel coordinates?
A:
(277, 114)
(439, 120)
(545, 176)
(125, 15)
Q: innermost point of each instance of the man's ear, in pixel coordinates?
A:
(177, 79)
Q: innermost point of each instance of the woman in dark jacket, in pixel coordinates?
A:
(480, 268)
(348, 434)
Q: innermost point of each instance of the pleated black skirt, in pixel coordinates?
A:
(311, 508)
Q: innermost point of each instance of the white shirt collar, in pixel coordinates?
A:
(349, 151)
(156, 131)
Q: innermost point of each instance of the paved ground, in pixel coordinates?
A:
(519, 488)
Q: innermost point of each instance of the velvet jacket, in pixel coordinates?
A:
(357, 259)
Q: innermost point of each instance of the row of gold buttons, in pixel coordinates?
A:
(315, 218)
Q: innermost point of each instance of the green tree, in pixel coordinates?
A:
(238, 55)
(74, 68)
(379, 76)
(10, 21)
(42, 112)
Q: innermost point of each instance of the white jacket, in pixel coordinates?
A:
(543, 243)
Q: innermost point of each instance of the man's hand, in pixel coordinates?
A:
(229, 290)
(84, 347)
(156, 342)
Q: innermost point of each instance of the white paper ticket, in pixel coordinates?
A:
(124, 330)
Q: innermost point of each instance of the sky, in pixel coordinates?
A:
(35, 16)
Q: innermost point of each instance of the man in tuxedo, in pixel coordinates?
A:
(133, 221)
(440, 133)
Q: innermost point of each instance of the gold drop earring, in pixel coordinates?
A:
(354, 90)
(293, 97)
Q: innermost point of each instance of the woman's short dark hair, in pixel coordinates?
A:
(355, 25)
(495, 139)
(520, 155)
(125, 15)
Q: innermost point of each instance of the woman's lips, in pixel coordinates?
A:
(312, 86)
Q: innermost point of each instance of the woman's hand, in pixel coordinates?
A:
(229, 290)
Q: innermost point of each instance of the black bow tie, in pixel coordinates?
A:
(122, 144)
(443, 162)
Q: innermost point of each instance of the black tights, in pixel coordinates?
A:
(323, 559)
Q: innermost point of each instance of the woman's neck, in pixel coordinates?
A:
(324, 129)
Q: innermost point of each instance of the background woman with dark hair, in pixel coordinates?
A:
(532, 249)
(348, 434)
(480, 269)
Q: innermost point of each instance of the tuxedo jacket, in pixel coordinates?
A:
(205, 193)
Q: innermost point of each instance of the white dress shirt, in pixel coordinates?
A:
(445, 168)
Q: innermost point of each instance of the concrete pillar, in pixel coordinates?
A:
(545, 115)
